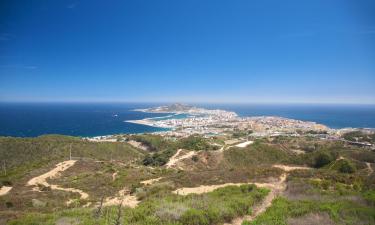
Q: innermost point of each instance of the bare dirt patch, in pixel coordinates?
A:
(54, 173)
(139, 145)
(370, 169)
(244, 144)
(151, 181)
(123, 197)
(276, 187)
(180, 155)
(5, 190)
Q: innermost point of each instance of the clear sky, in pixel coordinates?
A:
(320, 51)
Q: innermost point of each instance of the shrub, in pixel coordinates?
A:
(9, 204)
(346, 167)
(170, 211)
(322, 159)
(194, 217)
(195, 142)
(370, 196)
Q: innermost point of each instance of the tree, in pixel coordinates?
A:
(322, 159)
(346, 167)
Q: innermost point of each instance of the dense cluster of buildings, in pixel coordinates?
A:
(212, 122)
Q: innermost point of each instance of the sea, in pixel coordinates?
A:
(97, 119)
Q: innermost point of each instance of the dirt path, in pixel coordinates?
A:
(151, 181)
(54, 173)
(276, 188)
(290, 168)
(370, 169)
(4, 190)
(139, 145)
(203, 188)
(244, 144)
(123, 197)
(177, 157)
(114, 175)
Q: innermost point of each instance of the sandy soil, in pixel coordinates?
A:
(244, 144)
(54, 173)
(177, 157)
(114, 175)
(231, 142)
(298, 152)
(370, 169)
(123, 197)
(203, 188)
(151, 181)
(5, 190)
(137, 144)
(290, 168)
(275, 189)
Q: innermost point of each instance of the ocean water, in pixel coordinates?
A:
(31, 119)
(86, 120)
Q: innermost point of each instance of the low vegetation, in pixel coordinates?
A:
(162, 149)
(339, 189)
(359, 136)
(160, 207)
(285, 212)
(20, 155)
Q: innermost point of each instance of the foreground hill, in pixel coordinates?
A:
(150, 179)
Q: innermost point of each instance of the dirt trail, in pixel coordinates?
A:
(177, 157)
(290, 168)
(114, 175)
(370, 169)
(123, 197)
(151, 181)
(139, 145)
(54, 173)
(244, 144)
(203, 188)
(4, 190)
(275, 189)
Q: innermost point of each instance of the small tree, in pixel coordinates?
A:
(322, 159)
(346, 167)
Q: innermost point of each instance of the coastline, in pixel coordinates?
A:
(99, 119)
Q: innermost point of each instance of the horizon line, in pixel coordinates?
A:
(187, 102)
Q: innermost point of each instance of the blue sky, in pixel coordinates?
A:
(318, 51)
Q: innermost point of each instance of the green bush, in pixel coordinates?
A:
(195, 143)
(370, 196)
(346, 167)
(194, 217)
(322, 159)
(158, 158)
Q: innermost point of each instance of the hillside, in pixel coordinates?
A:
(113, 182)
